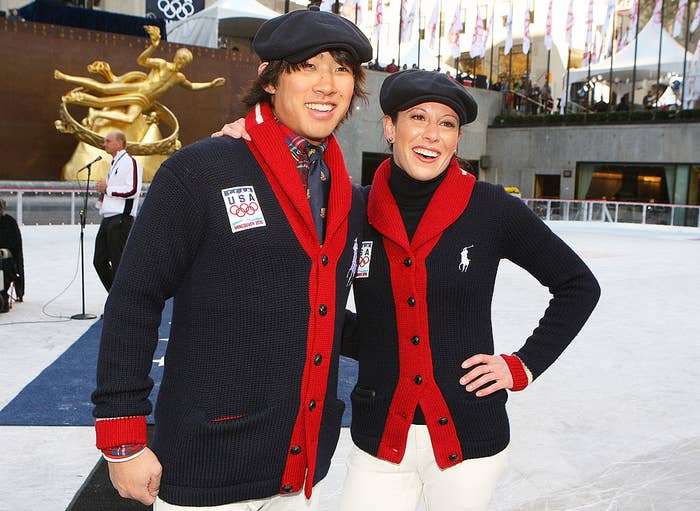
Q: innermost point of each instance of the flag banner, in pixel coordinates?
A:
(327, 5)
(378, 19)
(485, 39)
(477, 37)
(548, 28)
(509, 31)
(408, 16)
(349, 10)
(696, 19)
(526, 30)
(632, 29)
(678, 21)
(606, 50)
(433, 25)
(456, 28)
(570, 24)
(589, 35)
(658, 8)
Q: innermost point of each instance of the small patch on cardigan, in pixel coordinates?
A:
(464, 258)
(243, 209)
(353, 265)
(365, 259)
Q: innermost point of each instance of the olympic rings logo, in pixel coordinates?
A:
(176, 9)
(244, 209)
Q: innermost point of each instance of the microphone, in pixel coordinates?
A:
(88, 164)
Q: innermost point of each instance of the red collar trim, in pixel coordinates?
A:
(448, 203)
(273, 154)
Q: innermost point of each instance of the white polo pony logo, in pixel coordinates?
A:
(464, 263)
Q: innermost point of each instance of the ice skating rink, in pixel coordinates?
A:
(614, 424)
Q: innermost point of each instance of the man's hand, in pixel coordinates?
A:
(101, 186)
(234, 129)
(137, 479)
(489, 370)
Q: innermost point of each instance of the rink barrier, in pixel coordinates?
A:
(61, 205)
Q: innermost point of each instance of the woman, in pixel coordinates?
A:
(429, 413)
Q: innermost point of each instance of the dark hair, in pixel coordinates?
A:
(271, 74)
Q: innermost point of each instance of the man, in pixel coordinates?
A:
(254, 240)
(11, 258)
(118, 203)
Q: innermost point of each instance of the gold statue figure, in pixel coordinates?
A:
(129, 103)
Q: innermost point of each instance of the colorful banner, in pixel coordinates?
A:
(548, 28)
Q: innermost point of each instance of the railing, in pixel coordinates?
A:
(617, 212)
(50, 205)
(57, 205)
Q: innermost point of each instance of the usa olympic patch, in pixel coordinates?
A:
(243, 209)
(365, 259)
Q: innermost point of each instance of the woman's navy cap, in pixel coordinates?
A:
(402, 90)
(299, 35)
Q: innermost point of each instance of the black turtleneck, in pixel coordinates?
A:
(412, 196)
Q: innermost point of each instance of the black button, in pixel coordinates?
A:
(296, 449)
(415, 340)
(408, 261)
(312, 405)
(323, 310)
(411, 301)
(418, 379)
(443, 421)
(318, 359)
(287, 488)
(324, 259)
(454, 457)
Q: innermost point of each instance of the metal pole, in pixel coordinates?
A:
(568, 75)
(634, 66)
(612, 57)
(440, 21)
(420, 9)
(398, 60)
(685, 53)
(493, 12)
(286, 6)
(658, 65)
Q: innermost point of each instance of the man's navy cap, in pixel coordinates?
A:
(405, 89)
(299, 35)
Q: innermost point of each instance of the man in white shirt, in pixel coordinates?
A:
(118, 203)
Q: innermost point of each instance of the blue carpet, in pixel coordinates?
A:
(60, 395)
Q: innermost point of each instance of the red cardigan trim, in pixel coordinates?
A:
(517, 371)
(120, 431)
(273, 155)
(417, 385)
(135, 176)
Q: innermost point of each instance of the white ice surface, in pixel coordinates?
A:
(614, 424)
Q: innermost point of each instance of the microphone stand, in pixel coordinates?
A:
(83, 215)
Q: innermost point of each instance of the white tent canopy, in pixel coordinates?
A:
(235, 18)
(646, 61)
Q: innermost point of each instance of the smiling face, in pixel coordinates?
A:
(313, 100)
(425, 138)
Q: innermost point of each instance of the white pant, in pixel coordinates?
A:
(293, 502)
(372, 484)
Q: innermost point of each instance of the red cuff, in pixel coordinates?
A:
(120, 431)
(517, 372)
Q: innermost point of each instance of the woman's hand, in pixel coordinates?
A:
(489, 370)
(234, 129)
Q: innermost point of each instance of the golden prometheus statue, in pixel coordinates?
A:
(128, 103)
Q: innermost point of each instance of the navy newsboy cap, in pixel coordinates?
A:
(405, 89)
(299, 35)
